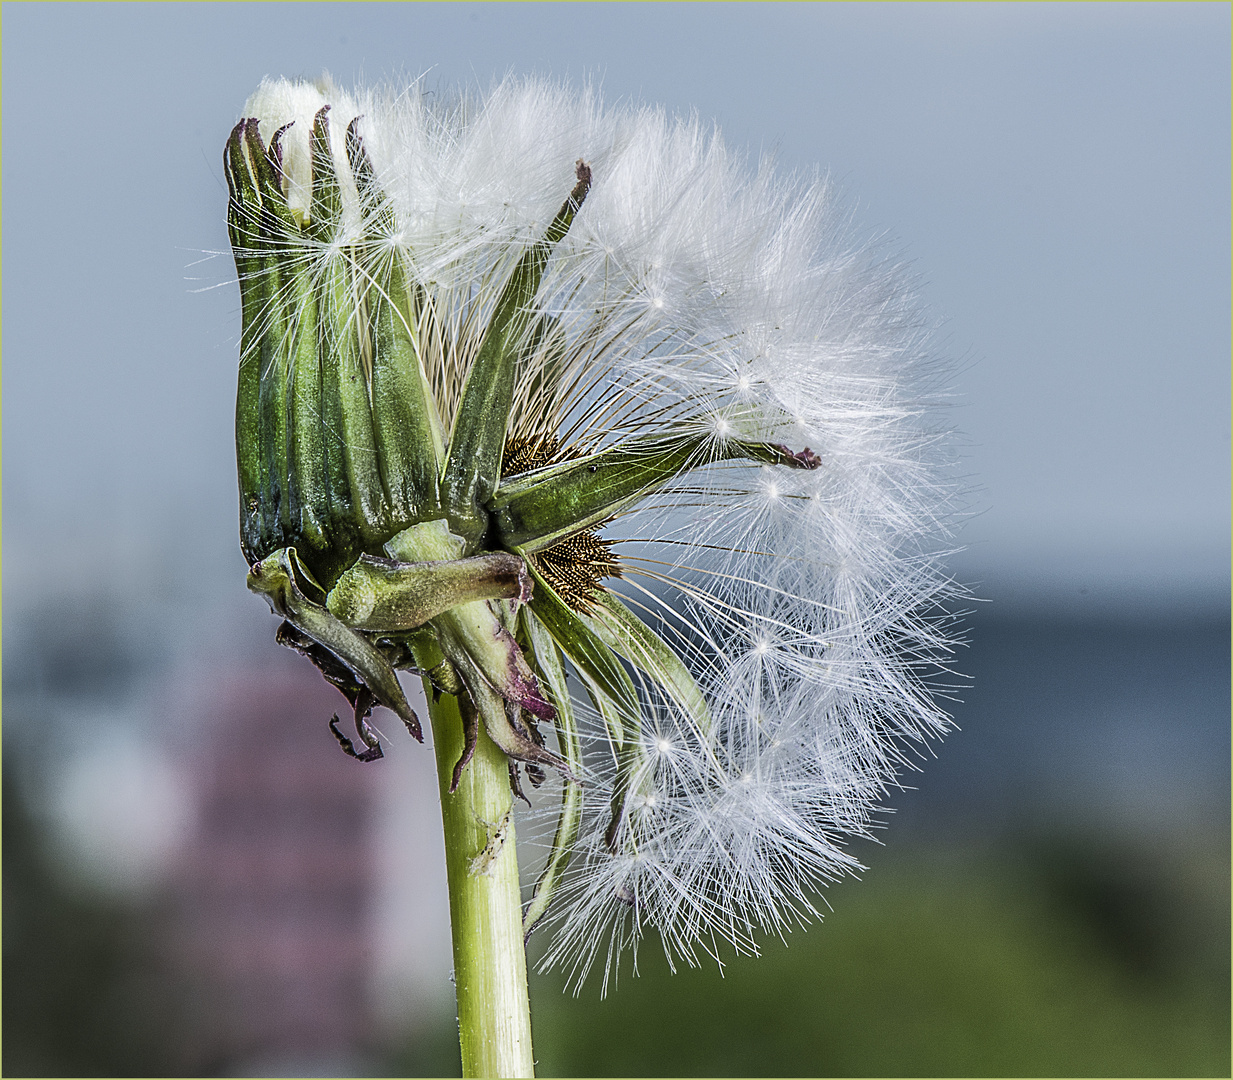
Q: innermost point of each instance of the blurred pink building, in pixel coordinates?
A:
(270, 920)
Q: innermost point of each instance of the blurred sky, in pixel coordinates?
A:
(1059, 174)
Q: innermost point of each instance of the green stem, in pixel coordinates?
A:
(490, 965)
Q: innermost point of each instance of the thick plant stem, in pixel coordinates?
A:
(490, 965)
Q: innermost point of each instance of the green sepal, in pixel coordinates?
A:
(427, 541)
(473, 465)
(243, 198)
(596, 663)
(310, 493)
(325, 204)
(536, 509)
(307, 495)
(277, 578)
(373, 201)
(550, 669)
(387, 596)
(280, 239)
(338, 355)
(243, 215)
(356, 491)
(470, 634)
(422, 654)
(405, 424)
(278, 513)
(273, 427)
(258, 225)
(626, 634)
(502, 717)
(345, 531)
(277, 222)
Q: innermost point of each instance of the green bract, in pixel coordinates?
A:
(389, 535)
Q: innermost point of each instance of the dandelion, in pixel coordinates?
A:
(623, 447)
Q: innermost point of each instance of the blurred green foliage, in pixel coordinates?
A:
(81, 995)
(1055, 957)
(1055, 966)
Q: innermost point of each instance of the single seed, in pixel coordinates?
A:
(576, 566)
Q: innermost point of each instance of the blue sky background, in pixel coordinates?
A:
(1059, 174)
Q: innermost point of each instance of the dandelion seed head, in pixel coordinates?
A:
(696, 294)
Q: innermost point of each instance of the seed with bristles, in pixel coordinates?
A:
(577, 565)
(524, 454)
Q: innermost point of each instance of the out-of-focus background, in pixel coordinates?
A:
(196, 881)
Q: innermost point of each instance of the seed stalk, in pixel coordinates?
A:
(490, 967)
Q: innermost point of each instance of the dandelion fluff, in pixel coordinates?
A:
(694, 296)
